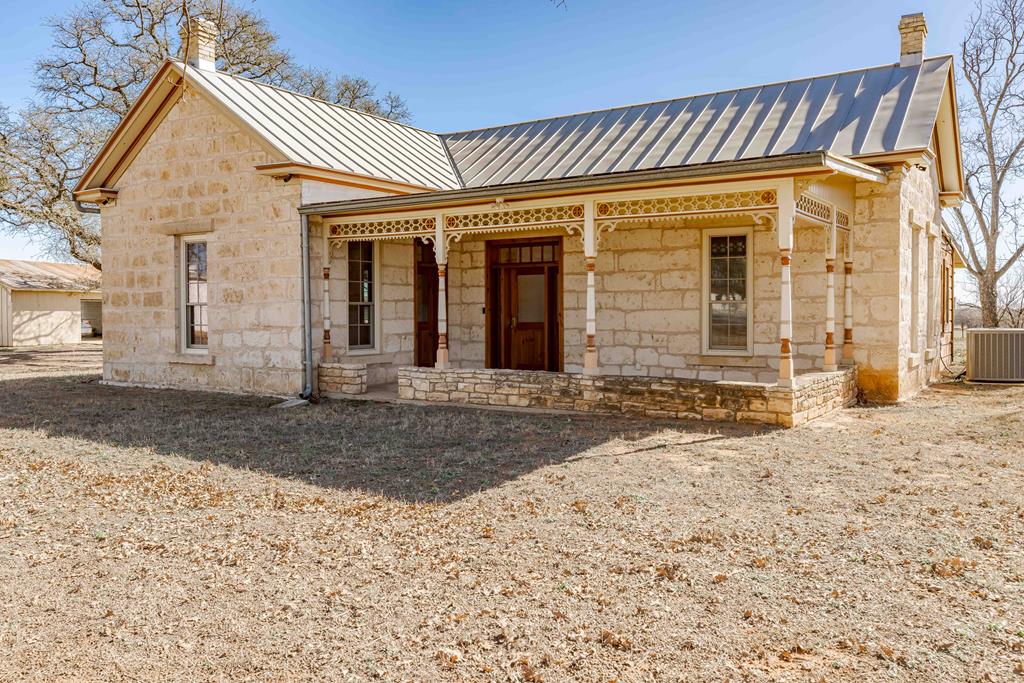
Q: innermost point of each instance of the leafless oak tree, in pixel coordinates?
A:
(989, 224)
(104, 52)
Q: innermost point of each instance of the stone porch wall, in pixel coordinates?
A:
(342, 378)
(815, 395)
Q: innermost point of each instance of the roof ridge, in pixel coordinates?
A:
(445, 136)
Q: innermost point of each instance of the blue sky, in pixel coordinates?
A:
(465, 64)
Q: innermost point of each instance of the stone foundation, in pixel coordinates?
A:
(815, 395)
(342, 378)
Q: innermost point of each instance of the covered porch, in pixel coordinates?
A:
(704, 301)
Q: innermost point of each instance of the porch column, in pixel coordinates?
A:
(830, 297)
(326, 303)
(848, 299)
(787, 207)
(590, 256)
(441, 254)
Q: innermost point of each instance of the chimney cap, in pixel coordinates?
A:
(199, 43)
(913, 29)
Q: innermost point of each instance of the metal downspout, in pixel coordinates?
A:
(307, 313)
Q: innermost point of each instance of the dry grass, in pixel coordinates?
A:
(158, 534)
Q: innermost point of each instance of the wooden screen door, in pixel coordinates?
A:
(524, 312)
(425, 304)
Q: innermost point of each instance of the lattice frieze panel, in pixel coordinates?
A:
(395, 228)
(515, 217)
(702, 203)
(842, 219)
(814, 208)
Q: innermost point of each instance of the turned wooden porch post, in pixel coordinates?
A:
(326, 303)
(830, 364)
(441, 255)
(787, 207)
(590, 257)
(848, 298)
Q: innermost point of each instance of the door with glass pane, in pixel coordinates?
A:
(524, 318)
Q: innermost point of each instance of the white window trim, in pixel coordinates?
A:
(705, 305)
(183, 345)
(377, 326)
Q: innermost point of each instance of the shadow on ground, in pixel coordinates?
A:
(409, 453)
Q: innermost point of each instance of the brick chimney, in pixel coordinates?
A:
(199, 43)
(913, 29)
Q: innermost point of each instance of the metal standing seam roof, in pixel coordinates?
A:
(869, 111)
(311, 131)
(43, 275)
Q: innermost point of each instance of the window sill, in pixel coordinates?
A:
(192, 359)
(362, 352)
(738, 359)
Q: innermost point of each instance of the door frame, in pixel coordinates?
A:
(491, 250)
(416, 302)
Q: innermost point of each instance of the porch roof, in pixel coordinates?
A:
(779, 166)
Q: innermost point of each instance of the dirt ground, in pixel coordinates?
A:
(168, 535)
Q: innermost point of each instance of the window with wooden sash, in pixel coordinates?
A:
(362, 313)
(195, 295)
(727, 313)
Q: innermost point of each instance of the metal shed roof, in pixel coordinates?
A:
(43, 275)
(311, 131)
(856, 113)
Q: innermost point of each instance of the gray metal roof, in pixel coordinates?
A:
(43, 275)
(311, 131)
(869, 111)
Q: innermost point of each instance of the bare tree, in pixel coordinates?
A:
(989, 224)
(104, 52)
(41, 155)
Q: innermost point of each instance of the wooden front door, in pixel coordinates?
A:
(524, 312)
(425, 304)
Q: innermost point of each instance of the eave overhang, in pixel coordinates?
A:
(104, 196)
(806, 164)
(288, 170)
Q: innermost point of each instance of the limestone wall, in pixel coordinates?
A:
(395, 329)
(196, 174)
(886, 216)
(649, 291)
(815, 395)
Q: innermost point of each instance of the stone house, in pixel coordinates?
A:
(759, 254)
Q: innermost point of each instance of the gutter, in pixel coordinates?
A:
(307, 315)
(780, 165)
(94, 210)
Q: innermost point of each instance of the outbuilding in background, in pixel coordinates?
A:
(43, 304)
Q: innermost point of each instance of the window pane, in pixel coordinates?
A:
(727, 292)
(738, 266)
(360, 293)
(719, 289)
(195, 292)
(549, 252)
